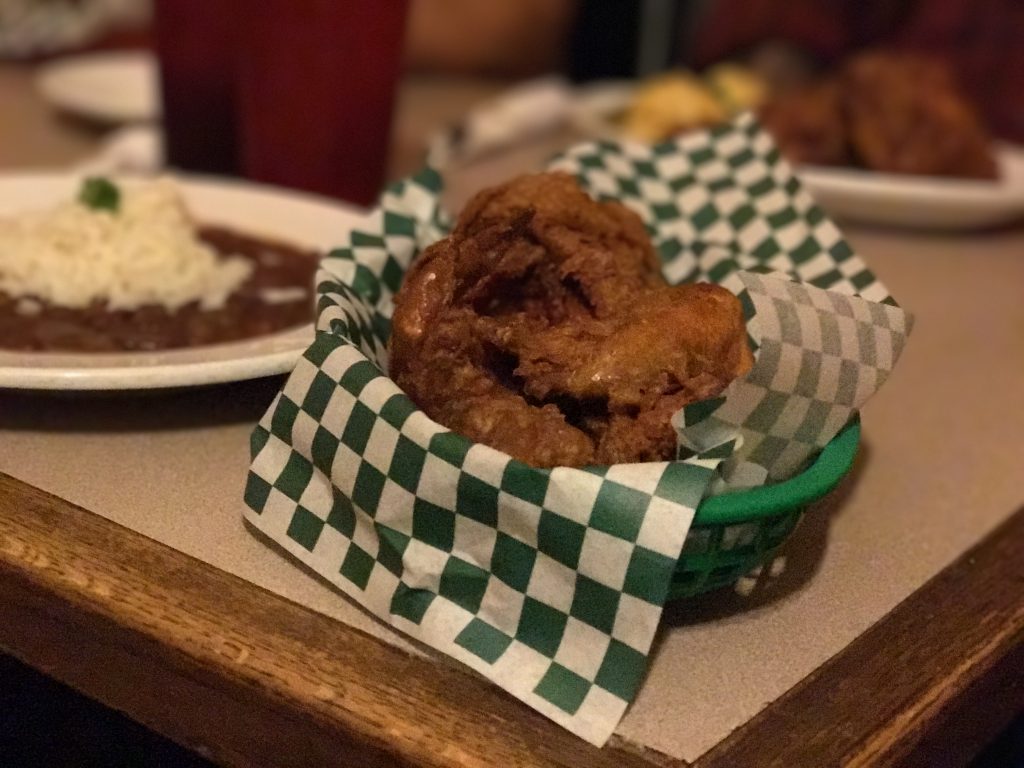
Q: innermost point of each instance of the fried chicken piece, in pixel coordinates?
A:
(542, 326)
(807, 124)
(440, 359)
(673, 346)
(599, 252)
(457, 380)
(884, 111)
(649, 435)
(906, 114)
(668, 337)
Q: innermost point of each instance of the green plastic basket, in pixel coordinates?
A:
(734, 533)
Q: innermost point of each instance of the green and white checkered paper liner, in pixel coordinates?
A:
(551, 582)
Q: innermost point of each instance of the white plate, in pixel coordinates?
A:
(299, 218)
(921, 202)
(596, 107)
(865, 196)
(107, 87)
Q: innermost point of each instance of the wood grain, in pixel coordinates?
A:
(238, 674)
(928, 685)
(246, 677)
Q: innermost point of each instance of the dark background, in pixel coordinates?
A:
(44, 723)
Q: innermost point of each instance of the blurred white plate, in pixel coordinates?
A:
(119, 87)
(598, 106)
(919, 201)
(865, 196)
(294, 217)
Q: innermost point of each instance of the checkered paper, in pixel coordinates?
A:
(551, 582)
(821, 355)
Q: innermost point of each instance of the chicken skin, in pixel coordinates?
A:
(672, 346)
(542, 326)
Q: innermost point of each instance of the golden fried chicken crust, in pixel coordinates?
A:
(542, 326)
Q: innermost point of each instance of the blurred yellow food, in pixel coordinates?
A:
(679, 101)
(670, 103)
(737, 86)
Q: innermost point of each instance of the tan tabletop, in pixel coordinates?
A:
(938, 472)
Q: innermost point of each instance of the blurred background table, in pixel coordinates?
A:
(32, 135)
(243, 675)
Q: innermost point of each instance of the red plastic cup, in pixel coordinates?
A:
(316, 85)
(196, 43)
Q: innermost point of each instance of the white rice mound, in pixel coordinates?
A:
(147, 252)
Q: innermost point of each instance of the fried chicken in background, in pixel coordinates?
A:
(980, 39)
(884, 111)
(806, 123)
(906, 114)
(543, 327)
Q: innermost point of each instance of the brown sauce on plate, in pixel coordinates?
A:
(246, 313)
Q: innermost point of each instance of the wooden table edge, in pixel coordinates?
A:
(117, 615)
(929, 684)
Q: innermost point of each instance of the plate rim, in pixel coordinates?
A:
(53, 71)
(922, 188)
(986, 201)
(163, 376)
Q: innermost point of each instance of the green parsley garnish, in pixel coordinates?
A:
(100, 194)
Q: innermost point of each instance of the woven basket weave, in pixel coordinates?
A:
(734, 533)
